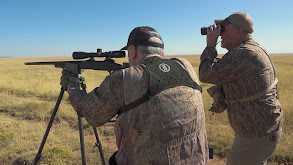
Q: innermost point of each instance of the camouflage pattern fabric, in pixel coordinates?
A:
(219, 105)
(167, 129)
(245, 71)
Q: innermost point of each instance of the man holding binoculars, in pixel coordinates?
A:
(246, 82)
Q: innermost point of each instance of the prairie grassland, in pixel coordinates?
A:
(28, 95)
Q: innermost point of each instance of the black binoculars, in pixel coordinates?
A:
(204, 30)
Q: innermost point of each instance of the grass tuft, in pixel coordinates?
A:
(5, 138)
(55, 155)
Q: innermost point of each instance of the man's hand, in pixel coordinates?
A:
(68, 77)
(213, 34)
(219, 105)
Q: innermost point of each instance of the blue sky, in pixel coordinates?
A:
(44, 28)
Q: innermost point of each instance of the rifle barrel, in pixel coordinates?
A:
(95, 65)
(47, 63)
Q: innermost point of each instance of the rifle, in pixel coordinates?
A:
(108, 64)
(77, 67)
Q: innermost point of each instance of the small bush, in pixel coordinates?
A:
(55, 155)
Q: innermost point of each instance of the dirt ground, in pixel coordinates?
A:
(217, 160)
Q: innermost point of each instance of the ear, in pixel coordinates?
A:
(133, 52)
(240, 31)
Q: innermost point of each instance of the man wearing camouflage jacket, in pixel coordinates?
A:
(247, 78)
(156, 125)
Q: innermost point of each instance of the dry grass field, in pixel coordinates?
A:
(28, 95)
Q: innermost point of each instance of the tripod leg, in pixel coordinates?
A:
(83, 86)
(99, 146)
(39, 154)
(82, 148)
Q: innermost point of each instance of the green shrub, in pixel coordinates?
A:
(55, 155)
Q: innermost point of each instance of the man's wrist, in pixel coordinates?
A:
(209, 53)
(212, 44)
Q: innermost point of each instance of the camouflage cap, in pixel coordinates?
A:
(241, 20)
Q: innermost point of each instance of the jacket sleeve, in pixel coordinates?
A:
(231, 66)
(102, 104)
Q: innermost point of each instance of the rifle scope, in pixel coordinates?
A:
(99, 53)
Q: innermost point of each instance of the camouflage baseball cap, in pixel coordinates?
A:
(241, 20)
(141, 36)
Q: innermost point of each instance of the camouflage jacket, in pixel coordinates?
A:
(245, 71)
(167, 129)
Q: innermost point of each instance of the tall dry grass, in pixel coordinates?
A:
(28, 95)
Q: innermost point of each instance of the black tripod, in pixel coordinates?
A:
(98, 144)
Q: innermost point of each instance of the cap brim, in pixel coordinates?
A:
(124, 48)
(222, 22)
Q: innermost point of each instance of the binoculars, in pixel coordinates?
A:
(204, 30)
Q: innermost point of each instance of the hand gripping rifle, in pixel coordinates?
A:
(76, 67)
